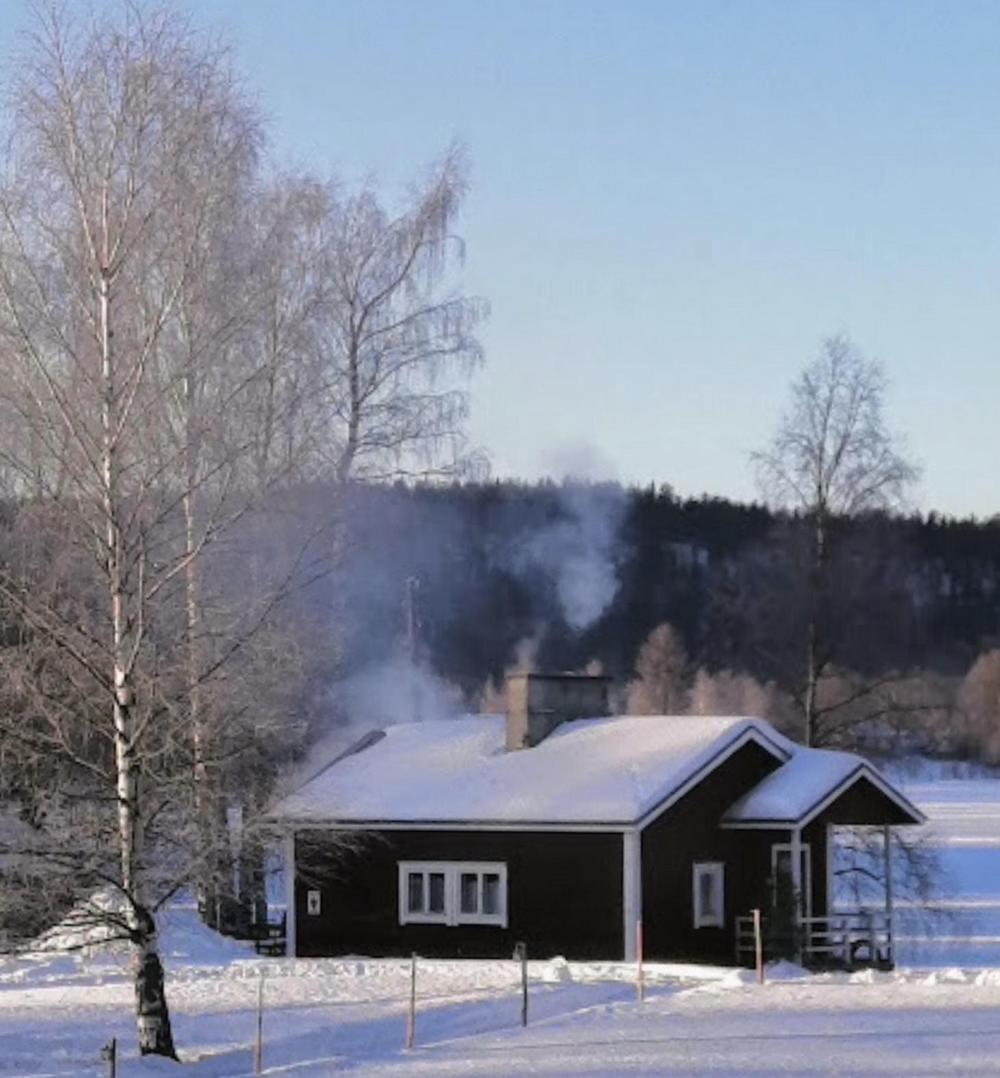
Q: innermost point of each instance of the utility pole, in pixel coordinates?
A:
(411, 622)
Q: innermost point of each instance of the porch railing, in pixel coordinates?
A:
(849, 939)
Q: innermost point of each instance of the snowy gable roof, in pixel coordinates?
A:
(807, 784)
(604, 772)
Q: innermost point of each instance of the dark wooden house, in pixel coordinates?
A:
(461, 837)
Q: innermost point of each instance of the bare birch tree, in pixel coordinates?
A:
(285, 417)
(394, 335)
(831, 460)
(124, 135)
(662, 675)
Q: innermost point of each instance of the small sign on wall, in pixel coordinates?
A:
(312, 903)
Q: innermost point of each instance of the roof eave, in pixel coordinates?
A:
(302, 823)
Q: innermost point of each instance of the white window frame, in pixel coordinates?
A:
(717, 871)
(453, 872)
(424, 868)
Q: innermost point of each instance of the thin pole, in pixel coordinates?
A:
(640, 983)
(890, 946)
(523, 951)
(411, 1017)
(110, 1053)
(758, 947)
(258, 1048)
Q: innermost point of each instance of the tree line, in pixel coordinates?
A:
(714, 590)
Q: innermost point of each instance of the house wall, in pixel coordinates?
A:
(689, 832)
(564, 894)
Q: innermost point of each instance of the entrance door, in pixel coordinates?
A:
(781, 877)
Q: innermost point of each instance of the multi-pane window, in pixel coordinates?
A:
(452, 893)
(708, 884)
(425, 894)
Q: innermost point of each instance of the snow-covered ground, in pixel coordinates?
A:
(938, 1014)
(335, 1017)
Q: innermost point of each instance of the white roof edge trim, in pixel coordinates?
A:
(863, 770)
(744, 737)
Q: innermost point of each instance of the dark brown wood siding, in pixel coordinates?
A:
(689, 832)
(863, 804)
(564, 894)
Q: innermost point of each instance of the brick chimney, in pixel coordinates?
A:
(538, 703)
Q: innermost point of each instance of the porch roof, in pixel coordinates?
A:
(814, 781)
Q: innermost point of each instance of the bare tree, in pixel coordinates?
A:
(394, 337)
(662, 675)
(979, 702)
(831, 461)
(125, 136)
(728, 693)
(286, 418)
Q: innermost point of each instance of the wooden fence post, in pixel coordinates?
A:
(411, 1017)
(758, 947)
(640, 983)
(109, 1053)
(258, 1048)
(521, 952)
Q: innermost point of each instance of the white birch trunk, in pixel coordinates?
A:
(152, 1017)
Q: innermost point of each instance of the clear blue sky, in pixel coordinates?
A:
(673, 202)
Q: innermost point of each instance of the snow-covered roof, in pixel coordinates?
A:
(800, 789)
(603, 772)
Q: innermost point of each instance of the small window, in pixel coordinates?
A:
(709, 894)
(452, 893)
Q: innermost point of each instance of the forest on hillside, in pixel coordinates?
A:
(476, 578)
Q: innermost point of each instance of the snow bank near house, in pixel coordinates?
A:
(94, 929)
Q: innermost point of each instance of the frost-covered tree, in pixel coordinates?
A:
(131, 140)
(831, 461)
(662, 676)
(397, 337)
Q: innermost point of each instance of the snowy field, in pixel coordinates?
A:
(938, 1014)
(963, 806)
(349, 1017)
(328, 1017)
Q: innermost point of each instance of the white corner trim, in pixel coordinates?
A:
(631, 891)
(289, 859)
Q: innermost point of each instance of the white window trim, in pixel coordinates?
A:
(408, 916)
(702, 918)
(453, 872)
